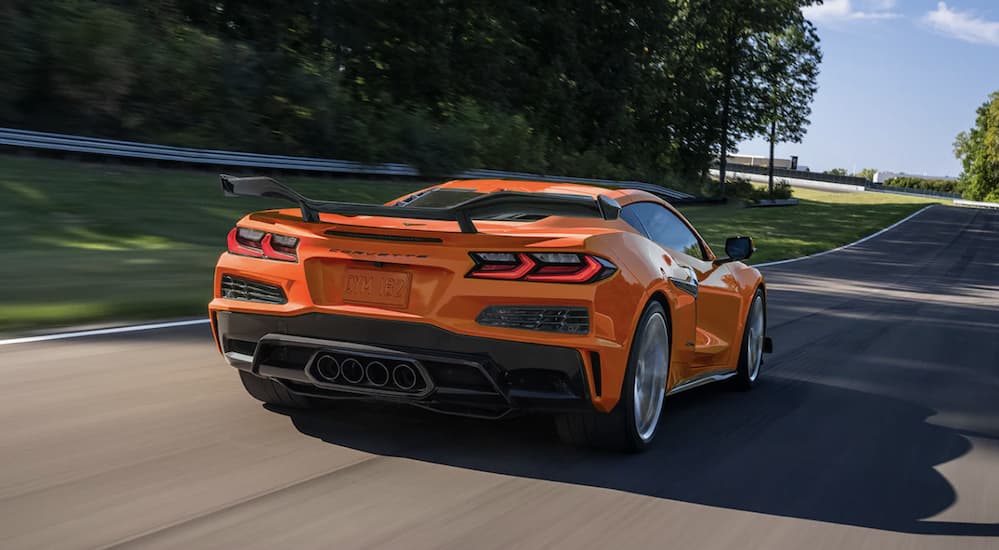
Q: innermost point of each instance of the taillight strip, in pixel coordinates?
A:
(267, 249)
(533, 267)
(237, 247)
(581, 276)
(516, 271)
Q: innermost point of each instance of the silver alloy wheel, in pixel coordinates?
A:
(754, 339)
(651, 370)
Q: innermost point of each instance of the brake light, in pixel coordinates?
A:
(246, 242)
(542, 267)
(503, 266)
(258, 244)
(578, 272)
(280, 247)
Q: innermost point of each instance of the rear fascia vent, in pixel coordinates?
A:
(238, 288)
(566, 320)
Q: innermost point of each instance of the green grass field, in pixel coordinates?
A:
(821, 221)
(97, 242)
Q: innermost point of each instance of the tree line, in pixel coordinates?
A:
(651, 89)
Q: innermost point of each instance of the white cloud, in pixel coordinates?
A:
(963, 25)
(832, 11)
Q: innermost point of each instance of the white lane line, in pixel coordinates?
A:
(101, 331)
(154, 326)
(854, 243)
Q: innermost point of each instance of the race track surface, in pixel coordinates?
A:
(875, 425)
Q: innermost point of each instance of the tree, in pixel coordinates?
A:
(789, 62)
(20, 56)
(742, 23)
(867, 173)
(978, 149)
(836, 172)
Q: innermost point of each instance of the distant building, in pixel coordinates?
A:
(881, 177)
(752, 160)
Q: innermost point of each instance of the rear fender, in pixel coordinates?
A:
(644, 270)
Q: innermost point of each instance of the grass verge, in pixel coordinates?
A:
(97, 242)
(820, 221)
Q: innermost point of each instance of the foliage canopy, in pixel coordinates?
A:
(978, 150)
(614, 88)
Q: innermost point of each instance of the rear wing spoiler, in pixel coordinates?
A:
(490, 204)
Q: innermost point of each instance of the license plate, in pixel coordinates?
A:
(372, 286)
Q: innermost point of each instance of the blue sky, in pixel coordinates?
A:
(899, 80)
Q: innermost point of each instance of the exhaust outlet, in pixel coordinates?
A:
(352, 370)
(328, 368)
(404, 376)
(377, 373)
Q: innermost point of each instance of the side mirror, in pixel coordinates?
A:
(737, 249)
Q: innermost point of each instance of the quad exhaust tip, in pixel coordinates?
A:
(328, 368)
(377, 373)
(352, 370)
(404, 376)
(373, 373)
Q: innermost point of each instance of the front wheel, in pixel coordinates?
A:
(632, 425)
(751, 353)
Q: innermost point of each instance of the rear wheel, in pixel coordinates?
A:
(751, 354)
(632, 425)
(273, 393)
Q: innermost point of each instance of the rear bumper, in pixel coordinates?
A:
(460, 374)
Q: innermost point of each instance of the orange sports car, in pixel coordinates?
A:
(485, 298)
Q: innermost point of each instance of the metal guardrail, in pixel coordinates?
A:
(132, 149)
(912, 191)
(212, 157)
(833, 178)
(798, 174)
(976, 204)
(794, 182)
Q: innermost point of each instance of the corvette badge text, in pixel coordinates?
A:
(362, 253)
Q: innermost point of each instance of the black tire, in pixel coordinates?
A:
(273, 393)
(747, 374)
(616, 430)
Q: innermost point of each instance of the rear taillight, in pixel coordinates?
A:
(280, 247)
(543, 267)
(251, 242)
(246, 242)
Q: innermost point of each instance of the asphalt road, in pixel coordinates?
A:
(876, 425)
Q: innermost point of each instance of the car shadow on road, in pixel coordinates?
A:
(872, 465)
